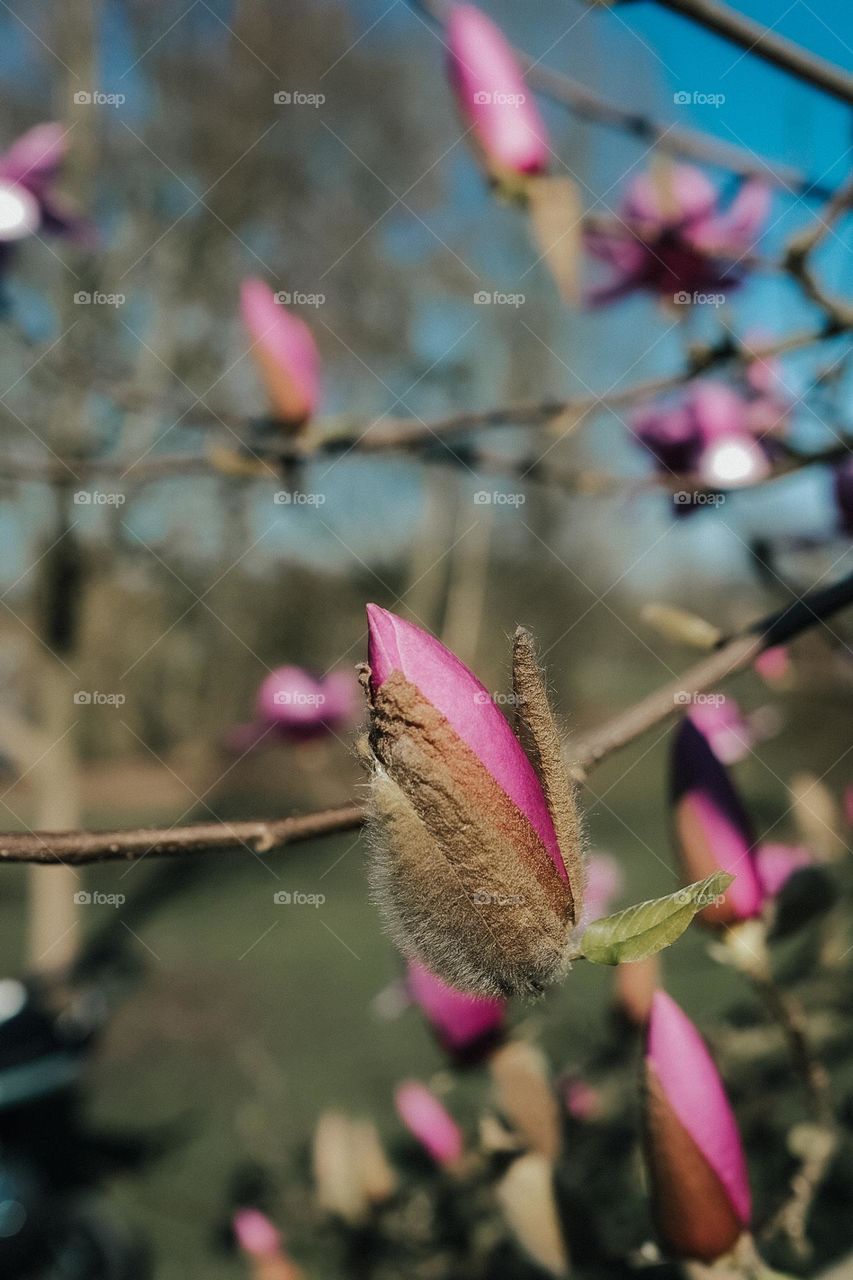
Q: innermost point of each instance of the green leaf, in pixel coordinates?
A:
(647, 927)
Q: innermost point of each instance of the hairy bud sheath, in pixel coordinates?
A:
(478, 870)
(699, 1182)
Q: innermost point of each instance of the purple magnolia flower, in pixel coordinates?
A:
(285, 353)
(697, 1169)
(843, 490)
(295, 706)
(28, 174)
(493, 97)
(429, 1121)
(468, 1026)
(708, 431)
(712, 830)
(673, 238)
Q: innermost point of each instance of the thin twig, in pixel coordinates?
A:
(79, 847)
(691, 144)
(764, 43)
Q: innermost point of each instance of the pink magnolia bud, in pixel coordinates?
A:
(727, 732)
(492, 95)
(583, 1101)
(33, 160)
(712, 830)
(774, 664)
(478, 867)
(300, 706)
(697, 1170)
(466, 1025)
(776, 863)
(285, 352)
(604, 882)
(428, 1120)
(255, 1234)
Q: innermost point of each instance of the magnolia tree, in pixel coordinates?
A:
(649, 1159)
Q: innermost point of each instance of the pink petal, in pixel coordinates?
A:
(718, 409)
(286, 350)
(773, 664)
(255, 1234)
(693, 196)
(724, 727)
(739, 226)
(604, 882)
(292, 698)
(776, 864)
(428, 1121)
(395, 645)
(693, 1088)
(460, 1019)
(703, 791)
(34, 159)
(492, 93)
(340, 689)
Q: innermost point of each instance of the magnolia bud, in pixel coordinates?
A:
(712, 830)
(468, 1026)
(699, 1183)
(429, 1121)
(526, 1196)
(477, 868)
(285, 353)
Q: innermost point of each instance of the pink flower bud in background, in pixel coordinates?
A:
(468, 1026)
(255, 1234)
(712, 830)
(843, 491)
(583, 1101)
(774, 664)
(634, 989)
(697, 1169)
(295, 706)
(673, 238)
(605, 880)
(723, 725)
(492, 95)
(776, 863)
(429, 1122)
(285, 353)
(478, 867)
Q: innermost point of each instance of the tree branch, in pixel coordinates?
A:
(766, 44)
(262, 836)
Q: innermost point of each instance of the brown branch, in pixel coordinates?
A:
(733, 654)
(766, 44)
(690, 144)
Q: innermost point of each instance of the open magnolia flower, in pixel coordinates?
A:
(697, 1170)
(285, 353)
(673, 238)
(478, 868)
